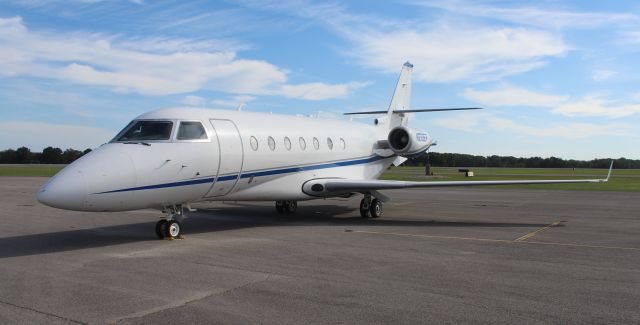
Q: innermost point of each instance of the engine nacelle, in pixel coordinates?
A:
(408, 142)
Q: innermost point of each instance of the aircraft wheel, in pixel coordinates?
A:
(290, 206)
(173, 229)
(280, 206)
(161, 228)
(364, 208)
(376, 208)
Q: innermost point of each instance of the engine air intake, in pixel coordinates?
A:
(408, 142)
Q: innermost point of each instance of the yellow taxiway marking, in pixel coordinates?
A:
(533, 233)
(172, 238)
(494, 240)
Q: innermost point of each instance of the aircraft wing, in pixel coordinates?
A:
(332, 186)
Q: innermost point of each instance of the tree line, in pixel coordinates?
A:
(438, 159)
(49, 155)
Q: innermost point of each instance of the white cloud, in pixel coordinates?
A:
(40, 3)
(243, 98)
(38, 135)
(508, 95)
(192, 100)
(588, 106)
(601, 75)
(153, 66)
(486, 122)
(444, 51)
(447, 53)
(594, 106)
(534, 16)
(320, 91)
(566, 131)
(234, 102)
(631, 37)
(468, 122)
(169, 45)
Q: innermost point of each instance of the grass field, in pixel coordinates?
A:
(30, 170)
(621, 180)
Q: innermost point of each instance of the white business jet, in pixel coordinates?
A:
(170, 158)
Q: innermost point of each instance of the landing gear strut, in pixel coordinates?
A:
(286, 206)
(370, 208)
(170, 226)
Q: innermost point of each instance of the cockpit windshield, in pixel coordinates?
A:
(147, 130)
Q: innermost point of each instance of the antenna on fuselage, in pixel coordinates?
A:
(240, 107)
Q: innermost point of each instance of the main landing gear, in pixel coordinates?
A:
(370, 208)
(170, 227)
(286, 206)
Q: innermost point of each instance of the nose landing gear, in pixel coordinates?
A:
(170, 227)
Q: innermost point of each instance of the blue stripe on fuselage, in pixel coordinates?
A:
(165, 185)
(312, 167)
(250, 174)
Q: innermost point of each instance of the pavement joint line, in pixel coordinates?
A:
(183, 302)
(533, 233)
(494, 240)
(42, 312)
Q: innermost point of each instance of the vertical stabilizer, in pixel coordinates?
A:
(401, 99)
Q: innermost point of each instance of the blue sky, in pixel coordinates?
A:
(557, 78)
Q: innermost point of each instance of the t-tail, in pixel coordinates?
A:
(402, 140)
(401, 99)
(400, 106)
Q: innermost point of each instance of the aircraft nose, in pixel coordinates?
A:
(66, 190)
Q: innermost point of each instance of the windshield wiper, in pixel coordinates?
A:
(138, 142)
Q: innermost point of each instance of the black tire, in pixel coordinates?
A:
(375, 209)
(173, 229)
(364, 209)
(161, 228)
(290, 206)
(280, 206)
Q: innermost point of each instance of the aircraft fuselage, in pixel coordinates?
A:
(245, 156)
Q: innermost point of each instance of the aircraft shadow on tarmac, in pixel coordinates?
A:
(209, 220)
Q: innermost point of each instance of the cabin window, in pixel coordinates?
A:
(330, 143)
(254, 143)
(303, 144)
(287, 143)
(343, 144)
(316, 143)
(191, 131)
(272, 143)
(147, 131)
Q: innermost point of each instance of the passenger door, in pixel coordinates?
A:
(230, 157)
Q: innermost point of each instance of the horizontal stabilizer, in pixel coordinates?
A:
(416, 110)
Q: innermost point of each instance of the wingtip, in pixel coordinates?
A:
(609, 174)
